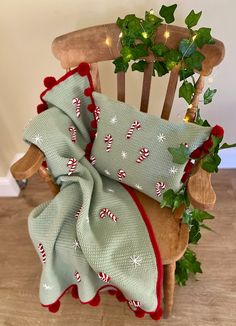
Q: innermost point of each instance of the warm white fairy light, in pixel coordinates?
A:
(145, 34)
(166, 35)
(120, 35)
(194, 37)
(190, 106)
(152, 12)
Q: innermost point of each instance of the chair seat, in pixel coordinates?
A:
(171, 234)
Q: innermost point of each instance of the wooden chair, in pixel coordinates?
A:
(99, 43)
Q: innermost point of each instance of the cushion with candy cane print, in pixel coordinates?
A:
(132, 147)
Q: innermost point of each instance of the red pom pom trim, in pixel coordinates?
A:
(93, 124)
(95, 301)
(185, 177)
(120, 297)
(217, 131)
(50, 81)
(156, 315)
(88, 91)
(112, 292)
(54, 307)
(196, 153)
(83, 69)
(92, 134)
(189, 167)
(91, 107)
(139, 313)
(41, 107)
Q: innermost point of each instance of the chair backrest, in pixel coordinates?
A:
(101, 43)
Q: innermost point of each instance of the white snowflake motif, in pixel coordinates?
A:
(113, 120)
(173, 170)
(139, 187)
(110, 190)
(124, 155)
(136, 260)
(47, 287)
(75, 244)
(37, 140)
(161, 138)
(107, 172)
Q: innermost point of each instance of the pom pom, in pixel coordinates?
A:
(49, 82)
(196, 153)
(188, 167)
(91, 107)
(41, 107)
(95, 301)
(54, 307)
(44, 164)
(207, 145)
(88, 91)
(93, 124)
(139, 313)
(217, 131)
(185, 177)
(92, 134)
(74, 292)
(120, 297)
(156, 315)
(112, 292)
(83, 69)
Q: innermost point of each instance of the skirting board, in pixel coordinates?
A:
(228, 158)
(8, 185)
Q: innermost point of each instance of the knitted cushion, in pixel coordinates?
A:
(132, 147)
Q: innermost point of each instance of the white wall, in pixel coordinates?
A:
(27, 28)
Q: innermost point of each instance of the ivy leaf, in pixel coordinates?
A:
(187, 47)
(186, 265)
(152, 18)
(194, 234)
(160, 68)
(192, 18)
(195, 60)
(179, 199)
(140, 50)
(208, 95)
(203, 36)
(225, 145)
(120, 65)
(180, 155)
(185, 73)
(126, 53)
(159, 49)
(204, 226)
(172, 58)
(139, 66)
(187, 217)
(168, 198)
(210, 162)
(168, 13)
(186, 91)
(200, 215)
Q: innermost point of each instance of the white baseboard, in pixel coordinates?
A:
(228, 158)
(8, 185)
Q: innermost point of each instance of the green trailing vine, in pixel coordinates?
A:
(137, 40)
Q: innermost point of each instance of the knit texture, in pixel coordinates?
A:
(132, 146)
(92, 234)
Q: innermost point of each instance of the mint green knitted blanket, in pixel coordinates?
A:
(94, 235)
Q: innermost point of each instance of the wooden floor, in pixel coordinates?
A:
(209, 301)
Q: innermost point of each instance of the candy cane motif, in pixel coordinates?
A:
(106, 212)
(77, 103)
(144, 153)
(72, 164)
(104, 277)
(77, 276)
(135, 125)
(108, 140)
(134, 303)
(42, 252)
(92, 159)
(97, 113)
(121, 174)
(78, 213)
(73, 135)
(159, 187)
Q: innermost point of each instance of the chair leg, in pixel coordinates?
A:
(168, 288)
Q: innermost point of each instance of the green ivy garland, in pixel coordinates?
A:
(137, 41)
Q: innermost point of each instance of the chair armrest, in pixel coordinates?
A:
(29, 164)
(200, 191)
